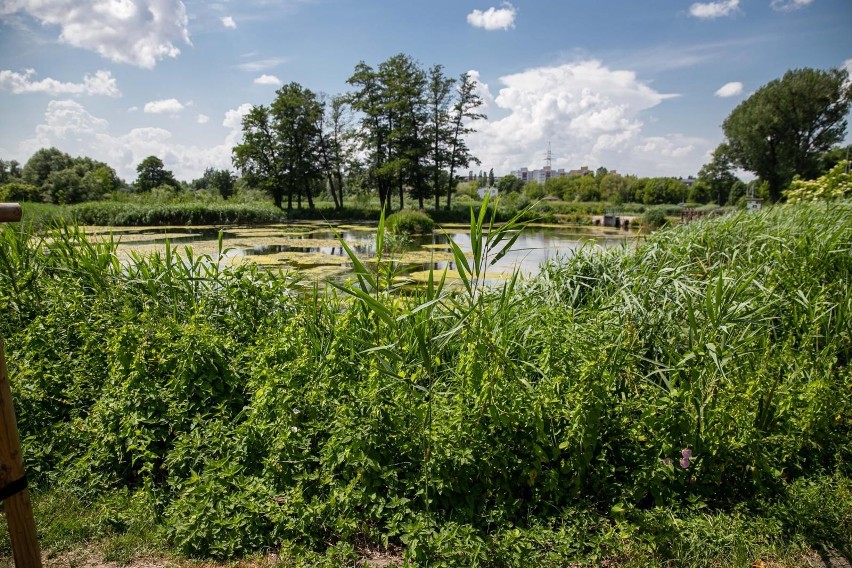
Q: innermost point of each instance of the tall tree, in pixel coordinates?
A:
(467, 100)
(336, 149)
(439, 97)
(298, 115)
(368, 99)
(260, 157)
(404, 84)
(782, 129)
(280, 148)
(717, 176)
(151, 173)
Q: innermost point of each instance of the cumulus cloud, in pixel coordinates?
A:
(69, 126)
(493, 18)
(591, 115)
(267, 80)
(101, 83)
(202, 119)
(789, 5)
(731, 89)
(138, 32)
(262, 64)
(710, 10)
(172, 106)
(229, 22)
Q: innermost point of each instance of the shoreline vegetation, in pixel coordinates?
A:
(206, 212)
(683, 403)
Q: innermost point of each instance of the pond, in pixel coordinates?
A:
(314, 250)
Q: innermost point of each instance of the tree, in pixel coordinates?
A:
(9, 171)
(663, 190)
(491, 177)
(151, 173)
(717, 177)
(509, 184)
(467, 100)
(613, 187)
(222, 182)
(403, 84)
(43, 163)
(783, 128)
(336, 150)
(439, 97)
(368, 99)
(99, 181)
(281, 145)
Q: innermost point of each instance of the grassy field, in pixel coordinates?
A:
(683, 403)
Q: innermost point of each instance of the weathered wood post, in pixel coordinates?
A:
(13, 479)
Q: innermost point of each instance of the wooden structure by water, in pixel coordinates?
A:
(13, 478)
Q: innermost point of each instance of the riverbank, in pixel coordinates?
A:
(684, 403)
(205, 212)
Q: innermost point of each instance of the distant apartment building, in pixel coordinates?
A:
(545, 173)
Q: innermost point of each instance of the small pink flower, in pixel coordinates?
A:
(684, 463)
(686, 453)
(667, 461)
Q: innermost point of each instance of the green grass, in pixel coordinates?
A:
(524, 424)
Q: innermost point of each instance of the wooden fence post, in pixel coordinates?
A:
(10, 212)
(13, 480)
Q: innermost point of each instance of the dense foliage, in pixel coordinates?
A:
(836, 184)
(705, 372)
(410, 223)
(782, 129)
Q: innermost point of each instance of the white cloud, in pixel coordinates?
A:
(710, 10)
(267, 80)
(229, 22)
(493, 18)
(731, 89)
(789, 5)
(70, 127)
(133, 109)
(262, 64)
(166, 105)
(101, 83)
(138, 32)
(590, 114)
(202, 119)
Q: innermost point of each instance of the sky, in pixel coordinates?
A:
(639, 86)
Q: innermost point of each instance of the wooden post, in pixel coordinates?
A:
(10, 212)
(13, 480)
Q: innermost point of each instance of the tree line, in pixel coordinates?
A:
(401, 131)
(402, 127)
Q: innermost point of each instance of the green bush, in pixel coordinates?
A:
(654, 218)
(408, 222)
(19, 191)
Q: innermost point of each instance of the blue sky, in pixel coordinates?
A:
(637, 86)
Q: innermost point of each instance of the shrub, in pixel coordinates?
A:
(654, 218)
(409, 222)
(20, 191)
(836, 184)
